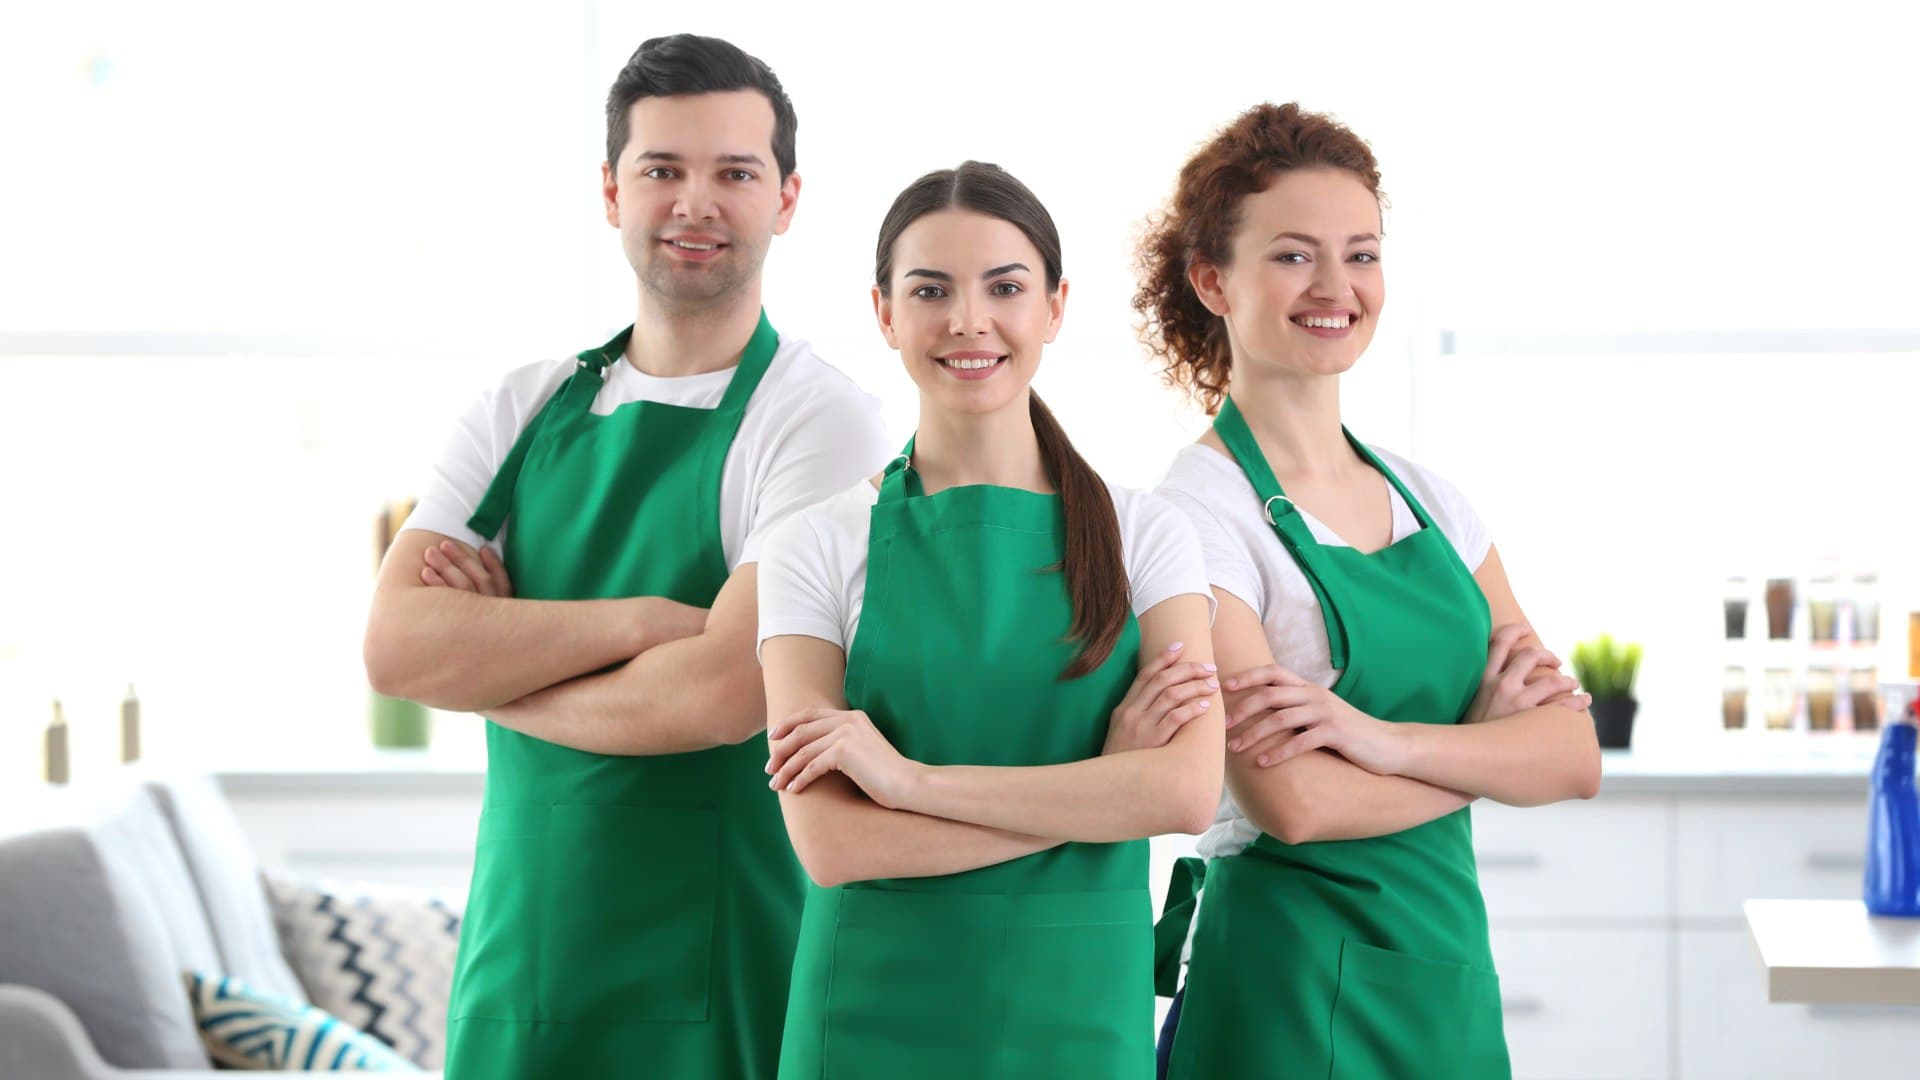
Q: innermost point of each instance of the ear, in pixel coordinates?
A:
(1206, 278)
(610, 194)
(883, 313)
(789, 198)
(1056, 311)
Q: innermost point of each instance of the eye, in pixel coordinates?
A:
(657, 172)
(1006, 288)
(740, 175)
(1366, 257)
(929, 292)
(1291, 258)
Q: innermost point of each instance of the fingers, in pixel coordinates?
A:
(1285, 746)
(1200, 684)
(1537, 693)
(1261, 727)
(781, 728)
(429, 577)
(790, 770)
(1501, 645)
(1176, 719)
(827, 761)
(1267, 675)
(438, 560)
(1172, 676)
(1272, 697)
(498, 568)
(1154, 667)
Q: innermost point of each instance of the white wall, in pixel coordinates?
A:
(409, 190)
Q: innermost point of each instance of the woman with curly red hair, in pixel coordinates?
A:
(1341, 930)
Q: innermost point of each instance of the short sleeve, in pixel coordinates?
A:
(474, 452)
(800, 591)
(834, 441)
(1162, 553)
(1457, 519)
(1229, 565)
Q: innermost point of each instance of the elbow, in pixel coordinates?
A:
(1194, 809)
(1295, 826)
(1586, 780)
(379, 652)
(822, 865)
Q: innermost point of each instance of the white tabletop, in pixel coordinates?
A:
(1832, 951)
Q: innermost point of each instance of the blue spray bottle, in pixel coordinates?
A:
(1893, 825)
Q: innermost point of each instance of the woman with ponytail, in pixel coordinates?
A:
(988, 680)
(1341, 930)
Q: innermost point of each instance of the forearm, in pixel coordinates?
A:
(457, 650)
(1125, 796)
(840, 835)
(1533, 757)
(675, 698)
(1321, 796)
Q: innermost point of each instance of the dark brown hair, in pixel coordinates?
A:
(691, 64)
(1265, 141)
(1096, 572)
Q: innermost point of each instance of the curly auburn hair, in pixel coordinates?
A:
(1266, 140)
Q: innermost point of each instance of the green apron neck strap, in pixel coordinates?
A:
(753, 364)
(1283, 515)
(900, 481)
(574, 395)
(1413, 504)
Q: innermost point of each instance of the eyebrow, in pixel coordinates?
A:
(941, 275)
(1357, 238)
(723, 159)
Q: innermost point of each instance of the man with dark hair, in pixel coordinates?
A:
(583, 571)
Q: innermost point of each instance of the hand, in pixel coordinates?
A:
(813, 742)
(1163, 697)
(454, 565)
(1283, 716)
(1518, 679)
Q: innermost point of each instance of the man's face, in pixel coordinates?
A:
(697, 196)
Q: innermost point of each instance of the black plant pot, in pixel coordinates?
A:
(1613, 721)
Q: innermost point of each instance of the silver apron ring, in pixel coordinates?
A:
(1278, 498)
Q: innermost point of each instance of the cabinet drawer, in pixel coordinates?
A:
(1585, 1004)
(1729, 1030)
(1733, 851)
(1602, 859)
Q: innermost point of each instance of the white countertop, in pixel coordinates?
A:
(1808, 766)
(1832, 952)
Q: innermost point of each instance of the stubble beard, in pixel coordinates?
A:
(695, 289)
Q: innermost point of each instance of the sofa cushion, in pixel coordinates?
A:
(228, 882)
(97, 909)
(380, 959)
(246, 1029)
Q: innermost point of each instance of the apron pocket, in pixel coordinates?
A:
(916, 986)
(1397, 1015)
(630, 913)
(1080, 987)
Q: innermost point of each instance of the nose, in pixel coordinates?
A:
(967, 316)
(1330, 280)
(694, 201)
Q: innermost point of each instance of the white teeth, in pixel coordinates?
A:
(692, 246)
(970, 365)
(1324, 322)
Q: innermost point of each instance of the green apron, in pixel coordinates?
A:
(1354, 958)
(1040, 967)
(629, 916)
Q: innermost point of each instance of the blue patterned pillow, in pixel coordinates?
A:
(380, 958)
(248, 1030)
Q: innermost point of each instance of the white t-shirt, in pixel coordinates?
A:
(808, 432)
(813, 575)
(1245, 558)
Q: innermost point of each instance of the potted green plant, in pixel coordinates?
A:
(1606, 670)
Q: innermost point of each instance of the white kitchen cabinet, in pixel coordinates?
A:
(1768, 849)
(1598, 860)
(1729, 1031)
(1585, 1004)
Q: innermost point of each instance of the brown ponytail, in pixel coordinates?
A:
(1189, 341)
(1095, 568)
(1093, 564)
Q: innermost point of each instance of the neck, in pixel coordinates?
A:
(999, 448)
(1295, 419)
(671, 341)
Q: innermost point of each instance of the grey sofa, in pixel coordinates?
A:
(108, 891)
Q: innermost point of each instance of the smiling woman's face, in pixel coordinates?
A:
(969, 310)
(1304, 287)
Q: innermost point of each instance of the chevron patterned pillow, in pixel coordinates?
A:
(244, 1029)
(379, 959)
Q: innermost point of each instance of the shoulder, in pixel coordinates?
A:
(527, 387)
(839, 520)
(797, 372)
